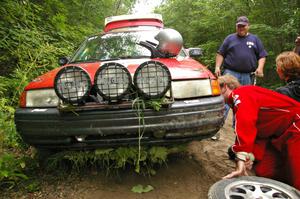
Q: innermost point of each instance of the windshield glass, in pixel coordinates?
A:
(115, 46)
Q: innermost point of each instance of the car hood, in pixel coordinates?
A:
(179, 69)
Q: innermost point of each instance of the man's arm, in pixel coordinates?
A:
(219, 61)
(297, 43)
(261, 56)
(240, 169)
(260, 68)
(246, 111)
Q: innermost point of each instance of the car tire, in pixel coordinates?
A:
(43, 155)
(251, 187)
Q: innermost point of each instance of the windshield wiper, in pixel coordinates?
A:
(111, 59)
(92, 60)
(134, 57)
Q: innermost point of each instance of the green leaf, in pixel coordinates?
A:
(148, 188)
(137, 189)
(4, 174)
(23, 165)
(152, 172)
(103, 151)
(140, 189)
(20, 175)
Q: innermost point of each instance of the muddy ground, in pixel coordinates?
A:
(186, 176)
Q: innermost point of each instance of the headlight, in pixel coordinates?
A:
(152, 79)
(112, 81)
(41, 98)
(191, 88)
(182, 89)
(72, 84)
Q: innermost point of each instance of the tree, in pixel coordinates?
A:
(206, 23)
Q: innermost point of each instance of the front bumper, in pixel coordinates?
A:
(183, 121)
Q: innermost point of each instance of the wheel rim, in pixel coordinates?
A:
(255, 190)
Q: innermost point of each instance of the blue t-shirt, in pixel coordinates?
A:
(242, 53)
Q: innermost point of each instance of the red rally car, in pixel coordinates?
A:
(97, 97)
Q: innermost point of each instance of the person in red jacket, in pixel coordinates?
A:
(267, 131)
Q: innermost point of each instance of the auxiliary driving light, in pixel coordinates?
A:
(72, 84)
(152, 79)
(112, 81)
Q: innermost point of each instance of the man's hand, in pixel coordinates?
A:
(219, 61)
(241, 169)
(260, 68)
(249, 164)
(259, 72)
(218, 71)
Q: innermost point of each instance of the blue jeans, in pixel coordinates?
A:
(244, 79)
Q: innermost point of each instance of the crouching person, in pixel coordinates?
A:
(288, 69)
(267, 131)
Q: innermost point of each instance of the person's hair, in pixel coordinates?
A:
(289, 63)
(229, 80)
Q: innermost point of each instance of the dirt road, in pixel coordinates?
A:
(187, 176)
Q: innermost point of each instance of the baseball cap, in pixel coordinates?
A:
(242, 20)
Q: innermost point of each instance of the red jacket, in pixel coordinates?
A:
(261, 115)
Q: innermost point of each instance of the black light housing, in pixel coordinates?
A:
(63, 60)
(112, 81)
(72, 84)
(152, 79)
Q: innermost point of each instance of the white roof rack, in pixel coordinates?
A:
(131, 17)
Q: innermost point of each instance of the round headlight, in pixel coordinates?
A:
(152, 79)
(72, 84)
(112, 81)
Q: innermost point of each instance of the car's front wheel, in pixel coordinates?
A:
(251, 187)
(43, 154)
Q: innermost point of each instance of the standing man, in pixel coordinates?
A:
(267, 131)
(241, 54)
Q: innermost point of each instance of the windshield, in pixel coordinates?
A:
(115, 46)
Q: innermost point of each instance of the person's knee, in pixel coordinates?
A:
(265, 171)
(296, 183)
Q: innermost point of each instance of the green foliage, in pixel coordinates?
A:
(158, 154)
(139, 105)
(32, 186)
(113, 159)
(122, 156)
(206, 23)
(11, 170)
(34, 34)
(141, 189)
(29, 47)
(155, 104)
(8, 134)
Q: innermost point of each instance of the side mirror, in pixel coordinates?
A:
(63, 60)
(195, 52)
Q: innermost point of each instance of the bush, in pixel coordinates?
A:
(11, 170)
(143, 161)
